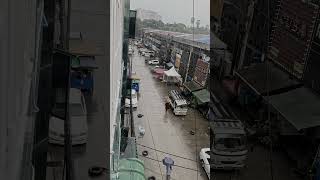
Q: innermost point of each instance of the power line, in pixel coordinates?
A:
(173, 165)
(195, 119)
(167, 153)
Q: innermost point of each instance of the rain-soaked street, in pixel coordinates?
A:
(169, 135)
(165, 133)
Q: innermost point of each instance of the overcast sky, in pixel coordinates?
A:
(176, 10)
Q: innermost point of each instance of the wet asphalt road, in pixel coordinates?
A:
(166, 133)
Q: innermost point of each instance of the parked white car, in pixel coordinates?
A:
(78, 119)
(147, 53)
(153, 62)
(134, 99)
(130, 51)
(204, 157)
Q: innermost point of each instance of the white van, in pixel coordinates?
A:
(178, 103)
(78, 119)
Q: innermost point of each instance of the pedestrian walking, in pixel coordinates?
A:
(167, 106)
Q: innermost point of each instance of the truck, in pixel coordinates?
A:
(178, 104)
(228, 142)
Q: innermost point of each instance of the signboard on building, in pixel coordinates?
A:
(178, 60)
(312, 73)
(291, 36)
(201, 72)
(216, 7)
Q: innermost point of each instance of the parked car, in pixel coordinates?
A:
(153, 62)
(78, 119)
(153, 68)
(130, 51)
(134, 99)
(142, 51)
(204, 157)
(148, 53)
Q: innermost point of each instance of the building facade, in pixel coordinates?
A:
(18, 104)
(143, 14)
(292, 35)
(311, 71)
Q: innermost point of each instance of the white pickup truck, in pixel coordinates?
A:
(228, 144)
(178, 104)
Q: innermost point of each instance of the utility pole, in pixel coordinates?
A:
(188, 65)
(65, 22)
(131, 111)
(246, 35)
(191, 50)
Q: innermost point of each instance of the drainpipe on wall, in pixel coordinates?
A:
(247, 30)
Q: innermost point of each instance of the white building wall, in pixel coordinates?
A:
(116, 35)
(17, 54)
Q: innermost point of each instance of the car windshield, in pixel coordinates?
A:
(231, 142)
(76, 110)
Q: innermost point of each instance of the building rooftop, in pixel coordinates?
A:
(198, 38)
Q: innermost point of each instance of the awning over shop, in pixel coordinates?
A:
(134, 77)
(84, 62)
(192, 86)
(255, 77)
(201, 96)
(131, 169)
(159, 71)
(171, 75)
(169, 65)
(301, 107)
(86, 48)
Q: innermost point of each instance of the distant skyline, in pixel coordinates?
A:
(179, 11)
